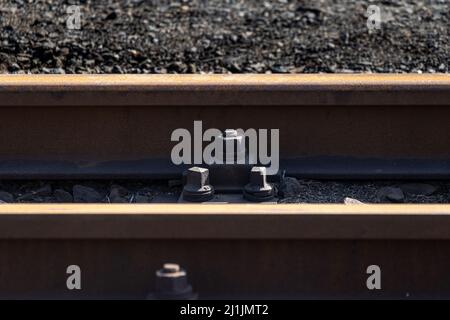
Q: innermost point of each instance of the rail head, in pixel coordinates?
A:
(250, 89)
(224, 222)
(224, 82)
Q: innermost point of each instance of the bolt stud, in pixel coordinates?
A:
(258, 190)
(197, 187)
(172, 284)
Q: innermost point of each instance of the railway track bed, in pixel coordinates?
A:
(291, 190)
(336, 133)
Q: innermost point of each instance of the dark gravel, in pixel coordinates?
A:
(88, 191)
(291, 191)
(223, 36)
(311, 191)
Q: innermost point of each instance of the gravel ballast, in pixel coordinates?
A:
(88, 191)
(355, 192)
(291, 191)
(223, 36)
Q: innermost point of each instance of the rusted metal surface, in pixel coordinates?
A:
(227, 269)
(225, 221)
(208, 90)
(120, 126)
(388, 126)
(232, 251)
(138, 133)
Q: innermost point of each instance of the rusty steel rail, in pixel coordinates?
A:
(223, 90)
(230, 251)
(224, 222)
(331, 126)
(358, 126)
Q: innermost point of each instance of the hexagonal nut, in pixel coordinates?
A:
(172, 280)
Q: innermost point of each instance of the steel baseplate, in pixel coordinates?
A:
(228, 198)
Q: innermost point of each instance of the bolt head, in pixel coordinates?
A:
(258, 177)
(258, 190)
(197, 177)
(172, 280)
(197, 187)
(171, 268)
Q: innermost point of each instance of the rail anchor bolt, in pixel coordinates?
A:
(172, 284)
(197, 187)
(258, 190)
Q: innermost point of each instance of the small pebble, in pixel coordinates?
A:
(6, 197)
(351, 201)
(422, 189)
(290, 187)
(62, 196)
(391, 194)
(43, 191)
(83, 194)
(117, 191)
